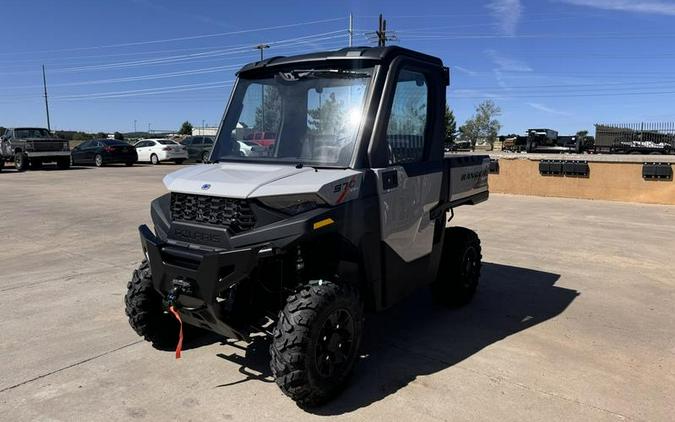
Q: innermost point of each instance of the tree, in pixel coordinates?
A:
(483, 125)
(328, 119)
(268, 115)
(118, 136)
(185, 129)
(450, 125)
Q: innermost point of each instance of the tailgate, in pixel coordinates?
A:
(466, 179)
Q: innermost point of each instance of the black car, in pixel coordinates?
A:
(104, 151)
(198, 147)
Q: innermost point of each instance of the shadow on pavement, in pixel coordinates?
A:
(417, 338)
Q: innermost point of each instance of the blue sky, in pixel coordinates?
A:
(563, 64)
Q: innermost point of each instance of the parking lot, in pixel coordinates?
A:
(573, 319)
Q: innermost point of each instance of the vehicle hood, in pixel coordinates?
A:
(230, 180)
(242, 180)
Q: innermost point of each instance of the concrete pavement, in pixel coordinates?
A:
(573, 319)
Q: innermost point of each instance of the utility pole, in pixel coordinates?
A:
(381, 32)
(351, 29)
(134, 125)
(44, 83)
(203, 128)
(148, 128)
(262, 47)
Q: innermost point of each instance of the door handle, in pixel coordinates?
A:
(389, 179)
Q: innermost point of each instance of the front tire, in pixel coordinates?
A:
(205, 157)
(63, 163)
(316, 341)
(98, 160)
(154, 160)
(146, 313)
(460, 268)
(21, 161)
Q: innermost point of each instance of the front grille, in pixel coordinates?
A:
(47, 146)
(233, 214)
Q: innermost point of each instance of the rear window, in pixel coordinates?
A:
(167, 142)
(112, 142)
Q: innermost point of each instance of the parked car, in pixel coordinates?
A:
(104, 151)
(198, 147)
(158, 150)
(264, 139)
(30, 146)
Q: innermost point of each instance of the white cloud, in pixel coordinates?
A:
(507, 12)
(466, 71)
(660, 7)
(546, 109)
(508, 64)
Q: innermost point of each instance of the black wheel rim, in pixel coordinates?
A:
(469, 266)
(335, 344)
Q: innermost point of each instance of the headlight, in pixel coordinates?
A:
(293, 204)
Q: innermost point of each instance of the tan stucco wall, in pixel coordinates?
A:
(609, 181)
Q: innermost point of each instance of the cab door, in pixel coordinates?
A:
(409, 179)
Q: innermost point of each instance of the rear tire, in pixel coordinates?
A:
(316, 341)
(154, 160)
(143, 306)
(129, 164)
(205, 157)
(179, 161)
(21, 161)
(460, 268)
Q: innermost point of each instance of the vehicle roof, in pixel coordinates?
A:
(381, 55)
(28, 127)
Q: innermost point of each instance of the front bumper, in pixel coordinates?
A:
(48, 154)
(206, 273)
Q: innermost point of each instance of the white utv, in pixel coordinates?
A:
(343, 210)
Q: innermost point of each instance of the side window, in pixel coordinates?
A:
(9, 134)
(187, 141)
(208, 141)
(408, 119)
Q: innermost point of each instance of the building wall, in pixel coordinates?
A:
(612, 181)
(207, 131)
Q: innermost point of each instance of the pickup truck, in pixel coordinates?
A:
(29, 146)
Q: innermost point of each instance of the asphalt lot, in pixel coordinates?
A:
(573, 319)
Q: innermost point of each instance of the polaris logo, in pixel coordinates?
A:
(206, 186)
(187, 235)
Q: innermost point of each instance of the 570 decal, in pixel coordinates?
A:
(344, 186)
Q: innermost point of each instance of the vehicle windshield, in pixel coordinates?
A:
(32, 133)
(305, 116)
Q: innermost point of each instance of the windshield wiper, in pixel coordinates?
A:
(296, 75)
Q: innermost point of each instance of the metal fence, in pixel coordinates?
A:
(607, 135)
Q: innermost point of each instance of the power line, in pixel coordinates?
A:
(188, 38)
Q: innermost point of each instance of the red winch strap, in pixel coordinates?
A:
(179, 346)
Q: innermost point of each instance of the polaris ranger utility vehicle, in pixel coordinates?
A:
(29, 146)
(346, 210)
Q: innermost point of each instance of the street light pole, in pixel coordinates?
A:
(262, 47)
